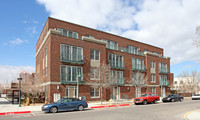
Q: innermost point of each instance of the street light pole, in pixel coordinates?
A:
(78, 85)
(19, 79)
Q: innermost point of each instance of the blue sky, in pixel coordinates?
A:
(150, 21)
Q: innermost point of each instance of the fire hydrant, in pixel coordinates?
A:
(111, 101)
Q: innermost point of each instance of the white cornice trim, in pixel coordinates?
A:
(51, 83)
(53, 31)
(94, 40)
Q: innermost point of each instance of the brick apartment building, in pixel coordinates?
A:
(65, 50)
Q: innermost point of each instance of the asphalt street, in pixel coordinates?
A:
(160, 111)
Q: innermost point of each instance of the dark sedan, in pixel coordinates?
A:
(172, 98)
(65, 104)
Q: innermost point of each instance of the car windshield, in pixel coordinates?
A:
(144, 95)
(170, 95)
(59, 101)
(197, 95)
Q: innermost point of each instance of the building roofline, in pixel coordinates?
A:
(103, 32)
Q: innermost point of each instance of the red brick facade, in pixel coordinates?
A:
(50, 74)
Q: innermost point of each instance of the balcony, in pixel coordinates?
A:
(78, 60)
(122, 49)
(163, 70)
(116, 65)
(163, 83)
(119, 81)
(65, 81)
(138, 68)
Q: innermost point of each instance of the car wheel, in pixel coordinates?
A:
(155, 101)
(172, 100)
(144, 102)
(53, 110)
(80, 108)
(181, 100)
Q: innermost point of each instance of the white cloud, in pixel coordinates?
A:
(10, 73)
(169, 24)
(15, 42)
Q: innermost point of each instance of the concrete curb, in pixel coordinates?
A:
(13, 113)
(188, 113)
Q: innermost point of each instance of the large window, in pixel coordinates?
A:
(68, 33)
(153, 64)
(137, 64)
(162, 65)
(94, 92)
(71, 53)
(132, 49)
(153, 78)
(94, 54)
(116, 77)
(163, 78)
(111, 44)
(70, 73)
(115, 60)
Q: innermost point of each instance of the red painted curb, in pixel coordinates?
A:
(98, 107)
(109, 106)
(124, 105)
(12, 113)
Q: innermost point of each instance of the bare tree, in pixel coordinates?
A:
(139, 80)
(32, 88)
(103, 78)
(190, 82)
(197, 37)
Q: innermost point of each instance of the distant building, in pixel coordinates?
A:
(181, 84)
(25, 76)
(65, 50)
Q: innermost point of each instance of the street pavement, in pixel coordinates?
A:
(186, 110)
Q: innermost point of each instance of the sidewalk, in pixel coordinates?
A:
(193, 115)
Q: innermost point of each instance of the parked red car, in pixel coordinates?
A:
(147, 98)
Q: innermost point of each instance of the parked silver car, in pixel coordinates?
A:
(196, 97)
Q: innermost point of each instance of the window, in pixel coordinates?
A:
(71, 53)
(181, 82)
(153, 89)
(70, 73)
(175, 82)
(94, 54)
(153, 64)
(94, 74)
(137, 63)
(163, 78)
(111, 44)
(46, 62)
(68, 33)
(117, 76)
(162, 65)
(94, 92)
(153, 79)
(115, 60)
(132, 49)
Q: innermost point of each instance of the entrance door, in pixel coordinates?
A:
(116, 92)
(137, 92)
(71, 91)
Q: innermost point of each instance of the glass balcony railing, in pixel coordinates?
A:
(75, 60)
(163, 70)
(122, 49)
(138, 68)
(119, 81)
(116, 65)
(68, 79)
(163, 83)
